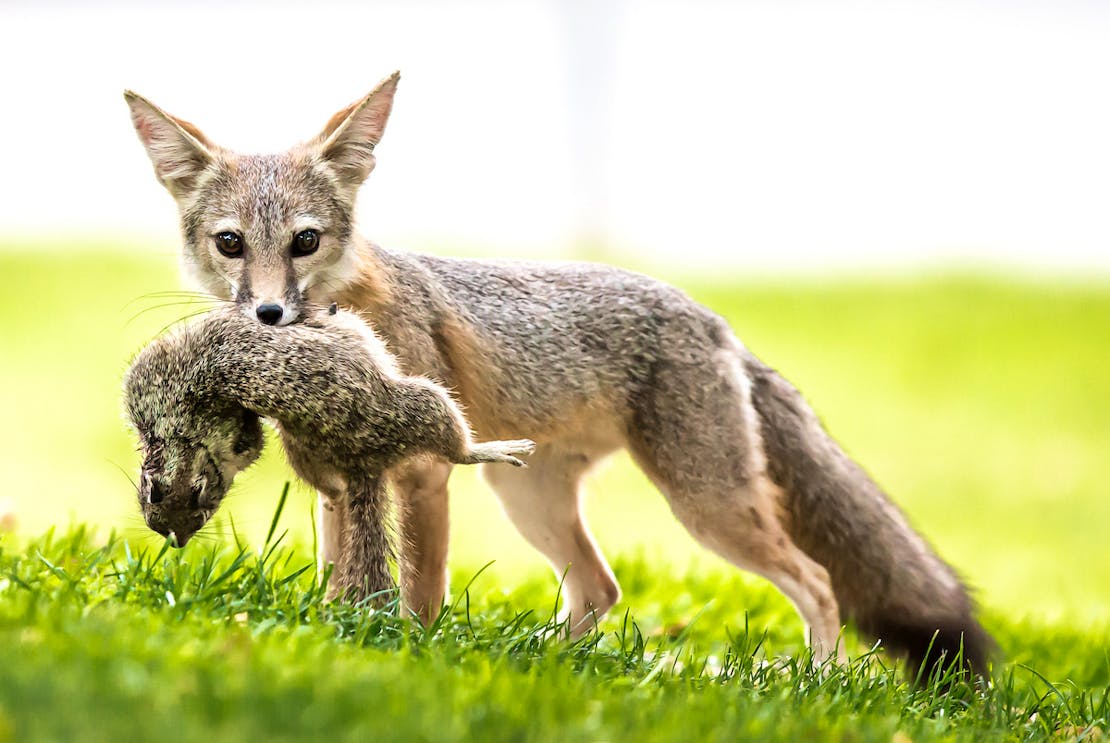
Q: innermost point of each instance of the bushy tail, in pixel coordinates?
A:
(507, 452)
(886, 577)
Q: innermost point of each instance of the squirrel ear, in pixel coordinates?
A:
(349, 138)
(178, 149)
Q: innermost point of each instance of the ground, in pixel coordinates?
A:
(979, 402)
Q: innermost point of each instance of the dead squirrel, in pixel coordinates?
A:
(345, 414)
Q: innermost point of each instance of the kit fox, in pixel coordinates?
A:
(584, 359)
(345, 414)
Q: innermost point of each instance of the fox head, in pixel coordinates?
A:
(271, 232)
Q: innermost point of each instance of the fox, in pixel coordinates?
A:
(195, 398)
(584, 359)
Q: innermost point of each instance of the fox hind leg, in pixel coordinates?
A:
(745, 531)
(696, 437)
(544, 503)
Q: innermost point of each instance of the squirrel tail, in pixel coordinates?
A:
(508, 452)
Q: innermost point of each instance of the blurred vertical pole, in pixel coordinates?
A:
(589, 30)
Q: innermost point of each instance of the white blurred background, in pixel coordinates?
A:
(773, 136)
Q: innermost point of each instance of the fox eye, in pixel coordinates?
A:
(306, 242)
(229, 244)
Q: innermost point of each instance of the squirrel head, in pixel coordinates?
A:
(185, 478)
(193, 444)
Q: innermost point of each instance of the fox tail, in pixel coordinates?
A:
(886, 577)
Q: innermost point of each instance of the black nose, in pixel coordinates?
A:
(269, 313)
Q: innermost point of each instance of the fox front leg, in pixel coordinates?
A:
(329, 538)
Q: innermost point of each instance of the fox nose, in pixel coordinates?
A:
(269, 314)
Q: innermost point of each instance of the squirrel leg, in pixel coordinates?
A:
(363, 567)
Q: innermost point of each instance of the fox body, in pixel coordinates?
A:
(344, 413)
(584, 359)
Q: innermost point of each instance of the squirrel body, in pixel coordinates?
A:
(344, 413)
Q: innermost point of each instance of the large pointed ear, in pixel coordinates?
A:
(178, 149)
(349, 139)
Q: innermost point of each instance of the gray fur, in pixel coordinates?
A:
(345, 418)
(584, 359)
(565, 342)
(831, 502)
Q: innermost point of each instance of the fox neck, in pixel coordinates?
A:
(370, 288)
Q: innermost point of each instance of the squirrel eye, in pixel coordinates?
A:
(306, 242)
(229, 244)
(156, 494)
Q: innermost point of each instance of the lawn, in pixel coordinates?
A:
(979, 402)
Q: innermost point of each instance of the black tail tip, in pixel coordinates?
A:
(938, 651)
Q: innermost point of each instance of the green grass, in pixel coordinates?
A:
(231, 644)
(979, 402)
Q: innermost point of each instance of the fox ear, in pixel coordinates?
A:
(177, 148)
(349, 138)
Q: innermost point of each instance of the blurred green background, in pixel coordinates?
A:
(978, 401)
